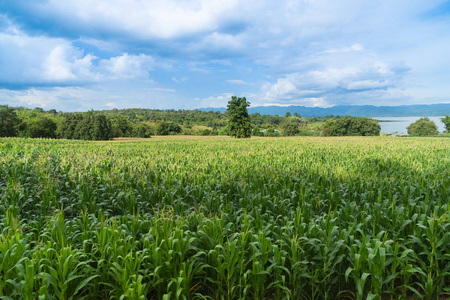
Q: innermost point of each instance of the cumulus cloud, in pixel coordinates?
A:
(139, 19)
(314, 53)
(43, 61)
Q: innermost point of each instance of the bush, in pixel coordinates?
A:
(142, 130)
(257, 131)
(223, 131)
(206, 132)
(422, 127)
(166, 128)
(271, 132)
(351, 126)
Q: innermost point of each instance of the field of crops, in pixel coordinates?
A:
(217, 218)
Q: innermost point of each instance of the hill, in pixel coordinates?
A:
(352, 110)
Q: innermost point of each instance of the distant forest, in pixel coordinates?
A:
(137, 122)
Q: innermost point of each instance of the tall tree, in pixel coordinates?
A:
(8, 121)
(239, 123)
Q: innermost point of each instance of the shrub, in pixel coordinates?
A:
(351, 126)
(422, 127)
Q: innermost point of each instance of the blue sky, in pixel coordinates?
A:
(183, 54)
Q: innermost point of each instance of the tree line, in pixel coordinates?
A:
(134, 122)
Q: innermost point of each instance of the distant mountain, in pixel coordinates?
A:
(352, 110)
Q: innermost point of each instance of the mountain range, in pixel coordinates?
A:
(421, 110)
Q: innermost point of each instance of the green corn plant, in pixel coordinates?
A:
(13, 249)
(359, 269)
(24, 284)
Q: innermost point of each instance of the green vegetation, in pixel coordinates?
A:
(422, 127)
(134, 122)
(8, 121)
(351, 126)
(239, 122)
(219, 218)
(446, 121)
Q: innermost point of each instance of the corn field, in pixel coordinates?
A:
(301, 218)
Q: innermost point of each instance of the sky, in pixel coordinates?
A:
(185, 54)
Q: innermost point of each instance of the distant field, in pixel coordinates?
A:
(217, 218)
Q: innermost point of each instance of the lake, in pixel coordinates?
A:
(400, 123)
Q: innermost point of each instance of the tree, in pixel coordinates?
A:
(290, 128)
(351, 126)
(446, 121)
(8, 121)
(422, 127)
(166, 128)
(142, 130)
(40, 127)
(101, 128)
(239, 122)
(121, 126)
(68, 125)
(86, 126)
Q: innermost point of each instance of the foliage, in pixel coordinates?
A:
(271, 132)
(87, 126)
(422, 127)
(446, 121)
(142, 122)
(290, 128)
(38, 127)
(256, 131)
(142, 130)
(166, 128)
(351, 126)
(121, 126)
(8, 121)
(239, 122)
(206, 132)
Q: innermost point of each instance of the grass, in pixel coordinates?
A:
(217, 218)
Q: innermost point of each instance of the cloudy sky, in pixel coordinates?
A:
(99, 54)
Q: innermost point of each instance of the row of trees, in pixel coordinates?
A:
(103, 125)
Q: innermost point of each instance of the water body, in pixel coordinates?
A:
(399, 124)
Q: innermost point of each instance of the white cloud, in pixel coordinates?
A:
(367, 84)
(142, 19)
(101, 96)
(39, 60)
(215, 101)
(111, 105)
(238, 82)
(174, 79)
(128, 66)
